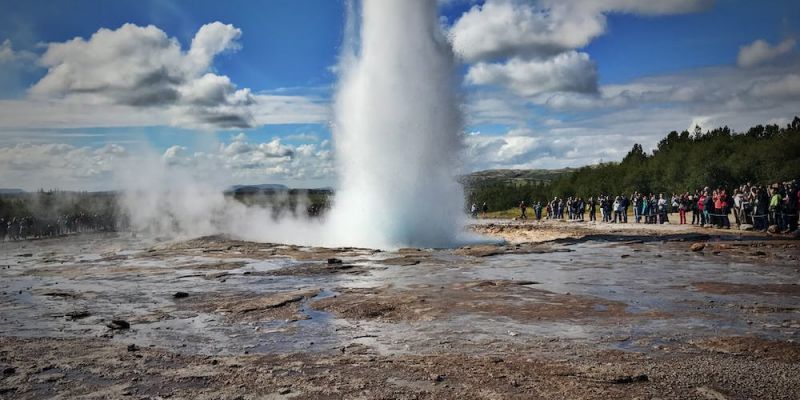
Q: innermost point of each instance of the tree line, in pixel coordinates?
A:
(681, 162)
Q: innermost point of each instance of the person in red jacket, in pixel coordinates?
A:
(721, 208)
(701, 201)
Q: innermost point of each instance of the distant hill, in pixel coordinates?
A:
(263, 186)
(252, 189)
(11, 191)
(515, 176)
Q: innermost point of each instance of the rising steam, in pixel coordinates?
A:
(398, 131)
(398, 140)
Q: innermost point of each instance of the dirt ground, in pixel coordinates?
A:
(560, 310)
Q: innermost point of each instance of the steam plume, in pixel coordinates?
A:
(398, 130)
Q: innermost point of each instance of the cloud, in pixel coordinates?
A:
(494, 107)
(303, 137)
(141, 67)
(64, 166)
(499, 29)
(72, 112)
(567, 72)
(16, 68)
(138, 76)
(760, 52)
(273, 109)
(662, 7)
(517, 28)
(75, 113)
(783, 88)
(530, 47)
(53, 165)
(9, 56)
(256, 162)
(526, 149)
(591, 127)
(707, 90)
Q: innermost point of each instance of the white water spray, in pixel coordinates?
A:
(398, 139)
(398, 131)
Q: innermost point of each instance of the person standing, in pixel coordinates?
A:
(775, 207)
(485, 209)
(720, 208)
(662, 209)
(701, 201)
(617, 210)
(746, 207)
(537, 209)
(737, 206)
(708, 207)
(570, 209)
(625, 203)
(682, 210)
(522, 208)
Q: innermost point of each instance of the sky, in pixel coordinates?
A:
(243, 89)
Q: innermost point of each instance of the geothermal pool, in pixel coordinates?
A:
(569, 300)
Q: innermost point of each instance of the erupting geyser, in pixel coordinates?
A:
(398, 140)
(398, 131)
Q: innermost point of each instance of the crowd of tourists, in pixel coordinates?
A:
(752, 206)
(30, 227)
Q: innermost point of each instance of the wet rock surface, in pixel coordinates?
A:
(571, 311)
(516, 300)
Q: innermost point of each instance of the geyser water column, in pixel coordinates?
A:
(398, 131)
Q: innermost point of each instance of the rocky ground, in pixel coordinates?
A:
(560, 310)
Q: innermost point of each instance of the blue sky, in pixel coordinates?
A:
(629, 72)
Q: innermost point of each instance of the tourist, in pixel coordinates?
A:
(721, 208)
(537, 209)
(662, 209)
(760, 208)
(617, 209)
(637, 207)
(708, 207)
(522, 208)
(625, 204)
(737, 206)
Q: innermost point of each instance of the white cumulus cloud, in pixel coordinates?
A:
(143, 67)
(503, 28)
(58, 166)
(8, 55)
(760, 52)
(139, 76)
(567, 72)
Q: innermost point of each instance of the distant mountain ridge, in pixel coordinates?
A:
(263, 186)
(515, 176)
